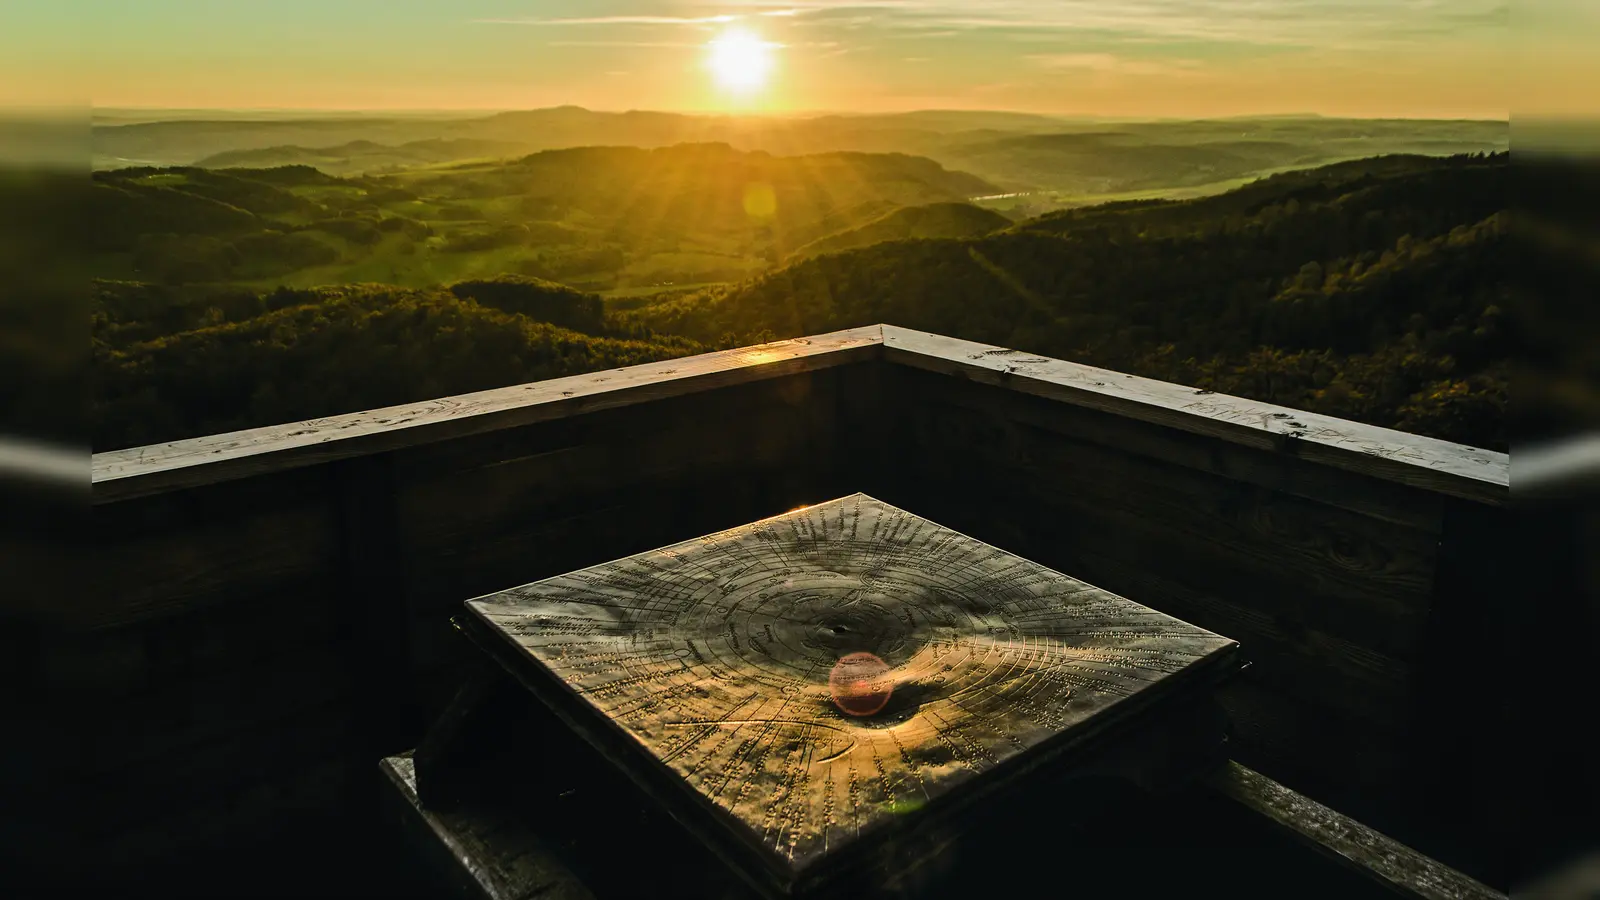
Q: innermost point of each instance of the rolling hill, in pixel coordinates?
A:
(174, 363)
(601, 218)
(1068, 167)
(361, 156)
(1374, 290)
(1371, 291)
(935, 220)
(1058, 161)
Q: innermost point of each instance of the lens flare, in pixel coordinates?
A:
(760, 201)
(860, 684)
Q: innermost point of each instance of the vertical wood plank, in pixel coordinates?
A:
(864, 426)
(374, 612)
(1463, 715)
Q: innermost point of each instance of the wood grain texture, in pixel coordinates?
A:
(1329, 604)
(1407, 872)
(221, 611)
(1363, 579)
(487, 486)
(1307, 662)
(1440, 466)
(1355, 492)
(989, 666)
(493, 511)
(274, 538)
(120, 474)
(1335, 582)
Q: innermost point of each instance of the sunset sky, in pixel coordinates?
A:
(1121, 58)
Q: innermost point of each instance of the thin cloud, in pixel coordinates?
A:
(676, 44)
(1111, 63)
(1283, 22)
(616, 20)
(1150, 29)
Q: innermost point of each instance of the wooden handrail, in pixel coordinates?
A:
(1458, 470)
(138, 471)
(1439, 466)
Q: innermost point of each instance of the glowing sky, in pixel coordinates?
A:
(1094, 57)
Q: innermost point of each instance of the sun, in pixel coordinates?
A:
(740, 61)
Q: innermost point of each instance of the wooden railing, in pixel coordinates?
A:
(271, 606)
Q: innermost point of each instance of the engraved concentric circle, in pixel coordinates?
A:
(715, 655)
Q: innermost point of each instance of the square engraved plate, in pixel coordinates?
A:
(726, 674)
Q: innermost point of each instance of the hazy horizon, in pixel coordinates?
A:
(400, 112)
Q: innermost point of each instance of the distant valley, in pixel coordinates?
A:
(1054, 161)
(1353, 267)
(1372, 289)
(602, 218)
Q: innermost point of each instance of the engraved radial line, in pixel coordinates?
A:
(710, 727)
(769, 548)
(694, 643)
(768, 729)
(911, 764)
(716, 577)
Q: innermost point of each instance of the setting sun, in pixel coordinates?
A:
(740, 61)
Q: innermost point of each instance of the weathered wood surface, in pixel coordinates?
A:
(493, 855)
(121, 474)
(474, 496)
(1330, 587)
(1436, 465)
(1336, 584)
(1447, 468)
(1013, 413)
(217, 636)
(270, 539)
(242, 630)
(1405, 871)
(988, 665)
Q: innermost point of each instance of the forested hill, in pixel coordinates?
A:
(602, 218)
(935, 220)
(1372, 290)
(173, 362)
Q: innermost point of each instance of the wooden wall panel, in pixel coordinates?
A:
(480, 516)
(270, 538)
(1330, 579)
(253, 643)
(244, 633)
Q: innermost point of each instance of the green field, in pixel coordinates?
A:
(423, 201)
(602, 219)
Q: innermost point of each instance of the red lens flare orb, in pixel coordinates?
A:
(860, 684)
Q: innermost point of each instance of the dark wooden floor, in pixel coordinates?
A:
(599, 826)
